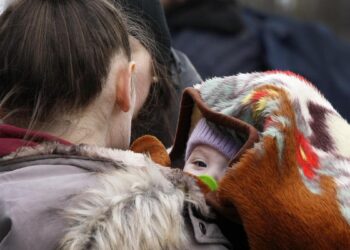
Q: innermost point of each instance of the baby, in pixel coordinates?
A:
(209, 151)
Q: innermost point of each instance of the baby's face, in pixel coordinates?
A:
(206, 160)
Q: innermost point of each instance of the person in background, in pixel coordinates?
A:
(221, 38)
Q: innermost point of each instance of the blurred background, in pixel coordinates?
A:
(333, 14)
(227, 37)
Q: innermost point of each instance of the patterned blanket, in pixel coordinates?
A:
(291, 188)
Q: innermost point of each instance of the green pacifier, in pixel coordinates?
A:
(209, 181)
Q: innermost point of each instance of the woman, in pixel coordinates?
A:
(162, 73)
(67, 98)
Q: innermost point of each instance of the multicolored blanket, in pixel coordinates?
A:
(291, 185)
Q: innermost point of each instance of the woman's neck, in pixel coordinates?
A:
(83, 129)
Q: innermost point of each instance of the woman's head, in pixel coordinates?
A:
(58, 56)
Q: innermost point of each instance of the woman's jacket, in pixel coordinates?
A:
(86, 197)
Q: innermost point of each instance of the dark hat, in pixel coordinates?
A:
(151, 15)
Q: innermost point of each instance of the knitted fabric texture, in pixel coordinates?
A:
(203, 134)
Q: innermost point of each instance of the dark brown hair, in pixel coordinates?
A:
(158, 115)
(55, 55)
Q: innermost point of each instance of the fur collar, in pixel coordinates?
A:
(136, 205)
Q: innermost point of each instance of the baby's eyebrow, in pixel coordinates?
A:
(200, 151)
(200, 154)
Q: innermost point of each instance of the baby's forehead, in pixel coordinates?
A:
(203, 149)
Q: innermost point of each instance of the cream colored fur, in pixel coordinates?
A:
(137, 206)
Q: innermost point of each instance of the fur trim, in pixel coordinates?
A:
(136, 208)
(137, 205)
(94, 152)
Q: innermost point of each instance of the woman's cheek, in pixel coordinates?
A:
(143, 78)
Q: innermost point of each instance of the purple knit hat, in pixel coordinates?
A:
(205, 135)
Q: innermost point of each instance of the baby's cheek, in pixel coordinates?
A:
(190, 169)
(221, 174)
(188, 166)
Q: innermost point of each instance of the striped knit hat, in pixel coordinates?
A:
(203, 134)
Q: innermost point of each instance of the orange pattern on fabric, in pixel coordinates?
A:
(258, 95)
(306, 157)
(259, 100)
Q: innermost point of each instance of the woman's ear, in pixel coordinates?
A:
(124, 89)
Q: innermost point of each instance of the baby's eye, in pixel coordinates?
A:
(200, 164)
